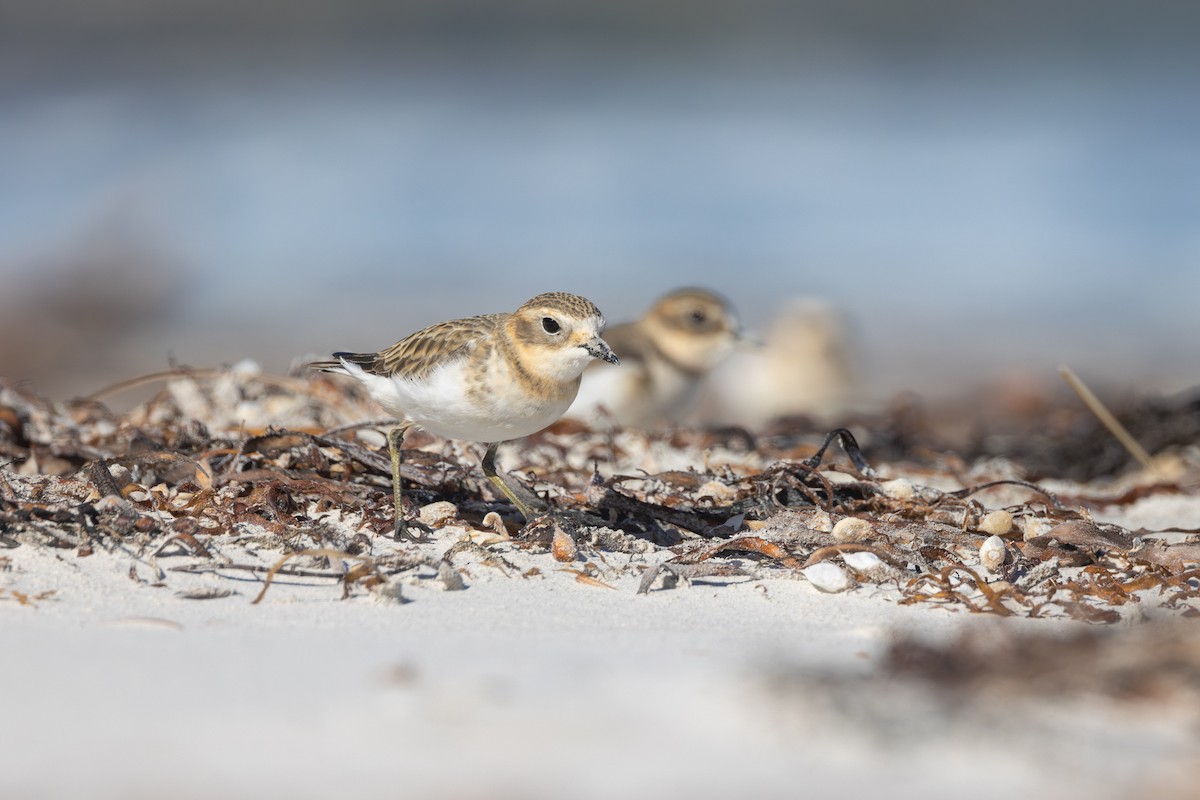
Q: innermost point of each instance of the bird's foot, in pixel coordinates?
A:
(412, 530)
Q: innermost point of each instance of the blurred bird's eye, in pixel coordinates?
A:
(550, 325)
(698, 316)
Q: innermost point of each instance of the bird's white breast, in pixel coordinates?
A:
(441, 402)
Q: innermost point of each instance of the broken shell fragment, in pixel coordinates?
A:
(851, 529)
(993, 553)
(493, 521)
(828, 577)
(437, 515)
(996, 523)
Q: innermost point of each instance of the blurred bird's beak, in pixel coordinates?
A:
(598, 348)
(744, 340)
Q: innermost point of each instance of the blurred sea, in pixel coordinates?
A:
(980, 188)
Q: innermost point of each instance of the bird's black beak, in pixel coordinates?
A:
(744, 340)
(598, 348)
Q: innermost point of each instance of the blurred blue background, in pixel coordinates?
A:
(979, 187)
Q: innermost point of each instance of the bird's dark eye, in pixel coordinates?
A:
(550, 325)
(698, 316)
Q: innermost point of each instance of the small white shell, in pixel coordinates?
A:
(862, 562)
(719, 492)
(112, 502)
(821, 521)
(121, 474)
(1035, 527)
(993, 553)
(437, 514)
(851, 529)
(828, 577)
(899, 489)
(869, 566)
(997, 522)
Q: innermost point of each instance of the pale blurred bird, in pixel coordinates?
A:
(665, 357)
(485, 379)
(806, 367)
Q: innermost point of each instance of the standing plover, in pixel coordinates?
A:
(665, 356)
(486, 379)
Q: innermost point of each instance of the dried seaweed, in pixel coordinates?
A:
(1153, 662)
(365, 571)
(689, 572)
(178, 478)
(26, 599)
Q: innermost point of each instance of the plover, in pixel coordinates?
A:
(487, 379)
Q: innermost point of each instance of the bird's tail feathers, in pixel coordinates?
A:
(338, 363)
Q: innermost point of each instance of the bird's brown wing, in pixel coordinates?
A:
(415, 356)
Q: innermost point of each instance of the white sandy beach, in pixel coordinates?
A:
(535, 687)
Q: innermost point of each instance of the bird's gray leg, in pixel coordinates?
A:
(403, 529)
(489, 469)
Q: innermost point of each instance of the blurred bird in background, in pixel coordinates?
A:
(805, 367)
(665, 357)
